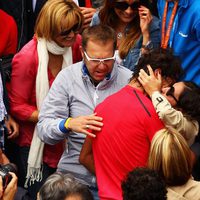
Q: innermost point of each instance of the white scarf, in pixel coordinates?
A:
(35, 158)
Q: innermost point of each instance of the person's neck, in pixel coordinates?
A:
(136, 84)
(121, 26)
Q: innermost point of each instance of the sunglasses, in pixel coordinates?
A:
(124, 5)
(170, 92)
(75, 29)
(97, 61)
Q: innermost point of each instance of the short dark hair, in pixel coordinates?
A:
(60, 186)
(99, 33)
(189, 101)
(163, 59)
(143, 184)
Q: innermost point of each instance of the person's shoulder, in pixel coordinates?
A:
(28, 52)
(7, 19)
(190, 190)
(72, 72)
(155, 24)
(29, 48)
(4, 15)
(124, 72)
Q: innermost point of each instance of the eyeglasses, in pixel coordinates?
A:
(96, 61)
(170, 92)
(124, 5)
(75, 29)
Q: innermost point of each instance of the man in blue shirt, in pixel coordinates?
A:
(184, 34)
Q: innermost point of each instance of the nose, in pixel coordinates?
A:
(129, 10)
(164, 90)
(101, 64)
(71, 34)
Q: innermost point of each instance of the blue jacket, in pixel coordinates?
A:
(185, 36)
(134, 53)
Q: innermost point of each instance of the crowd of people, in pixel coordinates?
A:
(100, 99)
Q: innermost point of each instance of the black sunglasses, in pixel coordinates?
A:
(124, 5)
(170, 92)
(75, 29)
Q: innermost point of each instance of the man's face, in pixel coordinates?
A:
(98, 50)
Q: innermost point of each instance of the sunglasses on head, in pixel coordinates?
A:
(124, 5)
(170, 92)
(75, 29)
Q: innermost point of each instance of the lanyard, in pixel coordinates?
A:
(165, 37)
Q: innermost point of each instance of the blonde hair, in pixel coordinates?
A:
(171, 157)
(57, 16)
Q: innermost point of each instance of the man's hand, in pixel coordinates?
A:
(13, 128)
(86, 124)
(150, 82)
(88, 14)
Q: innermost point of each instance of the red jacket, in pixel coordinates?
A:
(22, 95)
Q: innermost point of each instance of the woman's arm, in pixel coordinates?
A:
(21, 89)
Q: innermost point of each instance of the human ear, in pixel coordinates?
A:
(157, 72)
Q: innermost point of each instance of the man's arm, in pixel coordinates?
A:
(86, 156)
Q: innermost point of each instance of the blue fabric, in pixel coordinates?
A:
(134, 53)
(62, 126)
(94, 192)
(186, 36)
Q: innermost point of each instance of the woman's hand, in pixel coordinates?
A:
(145, 21)
(88, 14)
(86, 124)
(150, 82)
(11, 189)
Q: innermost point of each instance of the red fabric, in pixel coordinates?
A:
(8, 34)
(22, 97)
(124, 141)
(88, 4)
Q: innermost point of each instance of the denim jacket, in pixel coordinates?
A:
(134, 53)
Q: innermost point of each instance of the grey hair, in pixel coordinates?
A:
(59, 186)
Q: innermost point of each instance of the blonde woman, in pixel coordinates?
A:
(171, 157)
(54, 46)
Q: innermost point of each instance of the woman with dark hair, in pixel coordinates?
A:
(136, 29)
(177, 106)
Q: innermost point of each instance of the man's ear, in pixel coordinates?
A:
(156, 72)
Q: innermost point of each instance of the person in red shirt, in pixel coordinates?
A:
(129, 124)
(8, 34)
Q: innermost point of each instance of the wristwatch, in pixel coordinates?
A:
(148, 46)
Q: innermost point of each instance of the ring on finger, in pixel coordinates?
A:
(87, 126)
